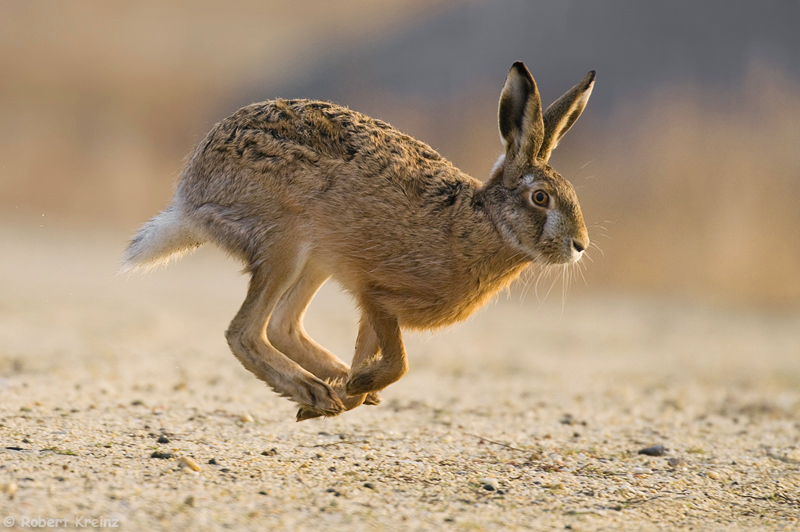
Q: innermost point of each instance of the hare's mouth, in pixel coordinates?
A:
(559, 256)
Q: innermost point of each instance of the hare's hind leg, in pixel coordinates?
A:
(248, 341)
(371, 374)
(285, 330)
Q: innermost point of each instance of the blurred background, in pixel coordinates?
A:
(686, 159)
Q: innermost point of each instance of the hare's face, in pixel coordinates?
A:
(539, 214)
(552, 209)
(542, 217)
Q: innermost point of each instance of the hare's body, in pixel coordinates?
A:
(300, 164)
(302, 191)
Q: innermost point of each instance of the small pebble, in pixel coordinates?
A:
(189, 501)
(489, 484)
(654, 450)
(271, 452)
(162, 456)
(246, 418)
(676, 462)
(9, 489)
(187, 461)
(213, 461)
(641, 471)
(162, 439)
(369, 485)
(712, 475)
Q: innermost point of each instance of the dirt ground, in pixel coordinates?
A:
(529, 416)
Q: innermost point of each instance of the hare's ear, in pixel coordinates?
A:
(560, 116)
(520, 114)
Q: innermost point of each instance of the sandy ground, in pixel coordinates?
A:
(527, 417)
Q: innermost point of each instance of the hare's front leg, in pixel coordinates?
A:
(371, 373)
(248, 341)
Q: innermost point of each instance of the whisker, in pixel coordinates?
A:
(580, 271)
(539, 277)
(578, 173)
(548, 290)
(597, 247)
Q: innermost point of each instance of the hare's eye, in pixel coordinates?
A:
(540, 198)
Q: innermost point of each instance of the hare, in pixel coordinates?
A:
(302, 191)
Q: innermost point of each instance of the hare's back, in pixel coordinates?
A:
(306, 147)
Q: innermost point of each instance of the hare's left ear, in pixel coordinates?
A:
(560, 116)
(520, 115)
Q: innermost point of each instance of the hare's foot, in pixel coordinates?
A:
(362, 383)
(372, 399)
(304, 413)
(372, 379)
(348, 402)
(319, 397)
(376, 375)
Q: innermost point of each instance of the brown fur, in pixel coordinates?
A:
(302, 191)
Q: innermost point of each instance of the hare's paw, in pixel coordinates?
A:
(304, 413)
(320, 397)
(376, 376)
(372, 399)
(362, 383)
(348, 402)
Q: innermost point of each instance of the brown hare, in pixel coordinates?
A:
(302, 191)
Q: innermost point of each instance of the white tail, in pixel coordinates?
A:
(165, 237)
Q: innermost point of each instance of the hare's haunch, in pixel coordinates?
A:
(302, 191)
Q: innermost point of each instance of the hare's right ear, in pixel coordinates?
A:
(520, 115)
(560, 116)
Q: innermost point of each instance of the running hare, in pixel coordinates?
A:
(303, 190)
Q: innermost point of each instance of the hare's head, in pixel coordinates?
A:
(534, 207)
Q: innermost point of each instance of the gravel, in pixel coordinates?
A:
(524, 418)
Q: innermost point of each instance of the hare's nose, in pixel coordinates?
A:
(579, 246)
